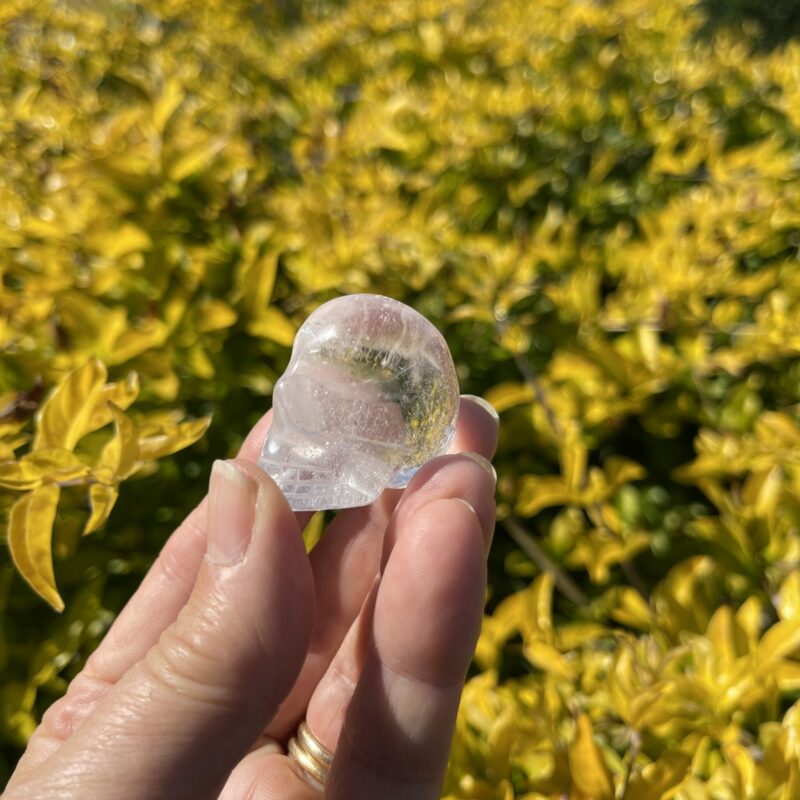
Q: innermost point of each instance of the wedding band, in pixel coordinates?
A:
(311, 756)
(313, 746)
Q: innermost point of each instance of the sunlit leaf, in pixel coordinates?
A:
(166, 104)
(788, 597)
(546, 658)
(195, 158)
(214, 315)
(508, 395)
(538, 492)
(587, 766)
(21, 475)
(65, 416)
(161, 440)
(659, 780)
(101, 500)
(30, 529)
(57, 464)
(118, 243)
(120, 393)
(273, 324)
(121, 453)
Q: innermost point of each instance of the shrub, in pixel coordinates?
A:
(598, 206)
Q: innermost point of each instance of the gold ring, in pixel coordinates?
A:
(313, 746)
(313, 758)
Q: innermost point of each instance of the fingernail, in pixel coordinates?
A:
(484, 462)
(231, 513)
(465, 503)
(485, 405)
(487, 541)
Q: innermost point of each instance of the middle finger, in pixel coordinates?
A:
(347, 560)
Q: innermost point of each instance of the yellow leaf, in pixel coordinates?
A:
(508, 395)
(748, 624)
(20, 475)
(7, 448)
(57, 464)
(659, 780)
(64, 417)
(134, 341)
(720, 634)
(30, 530)
(571, 636)
(620, 471)
(312, 532)
(647, 339)
(162, 440)
(256, 279)
(198, 362)
(540, 599)
(195, 158)
(589, 771)
(548, 659)
(789, 597)
(782, 639)
(120, 393)
(791, 789)
(573, 459)
(786, 675)
(166, 104)
(113, 244)
(631, 609)
(121, 452)
(273, 324)
(213, 315)
(102, 499)
(541, 491)
(762, 490)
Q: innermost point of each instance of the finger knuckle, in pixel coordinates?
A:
(188, 661)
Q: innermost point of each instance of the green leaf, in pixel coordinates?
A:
(30, 530)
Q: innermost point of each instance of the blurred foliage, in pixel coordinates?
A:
(768, 23)
(597, 202)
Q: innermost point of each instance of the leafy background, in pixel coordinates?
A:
(597, 202)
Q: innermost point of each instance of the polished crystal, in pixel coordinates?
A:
(370, 394)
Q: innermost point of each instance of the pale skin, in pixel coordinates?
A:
(236, 635)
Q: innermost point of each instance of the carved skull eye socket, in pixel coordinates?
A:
(370, 394)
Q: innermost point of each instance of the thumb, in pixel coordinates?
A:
(179, 720)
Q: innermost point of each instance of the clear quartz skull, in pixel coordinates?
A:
(370, 395)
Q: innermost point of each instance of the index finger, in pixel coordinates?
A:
(397, 730)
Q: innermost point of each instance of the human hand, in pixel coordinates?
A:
(236, 635)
